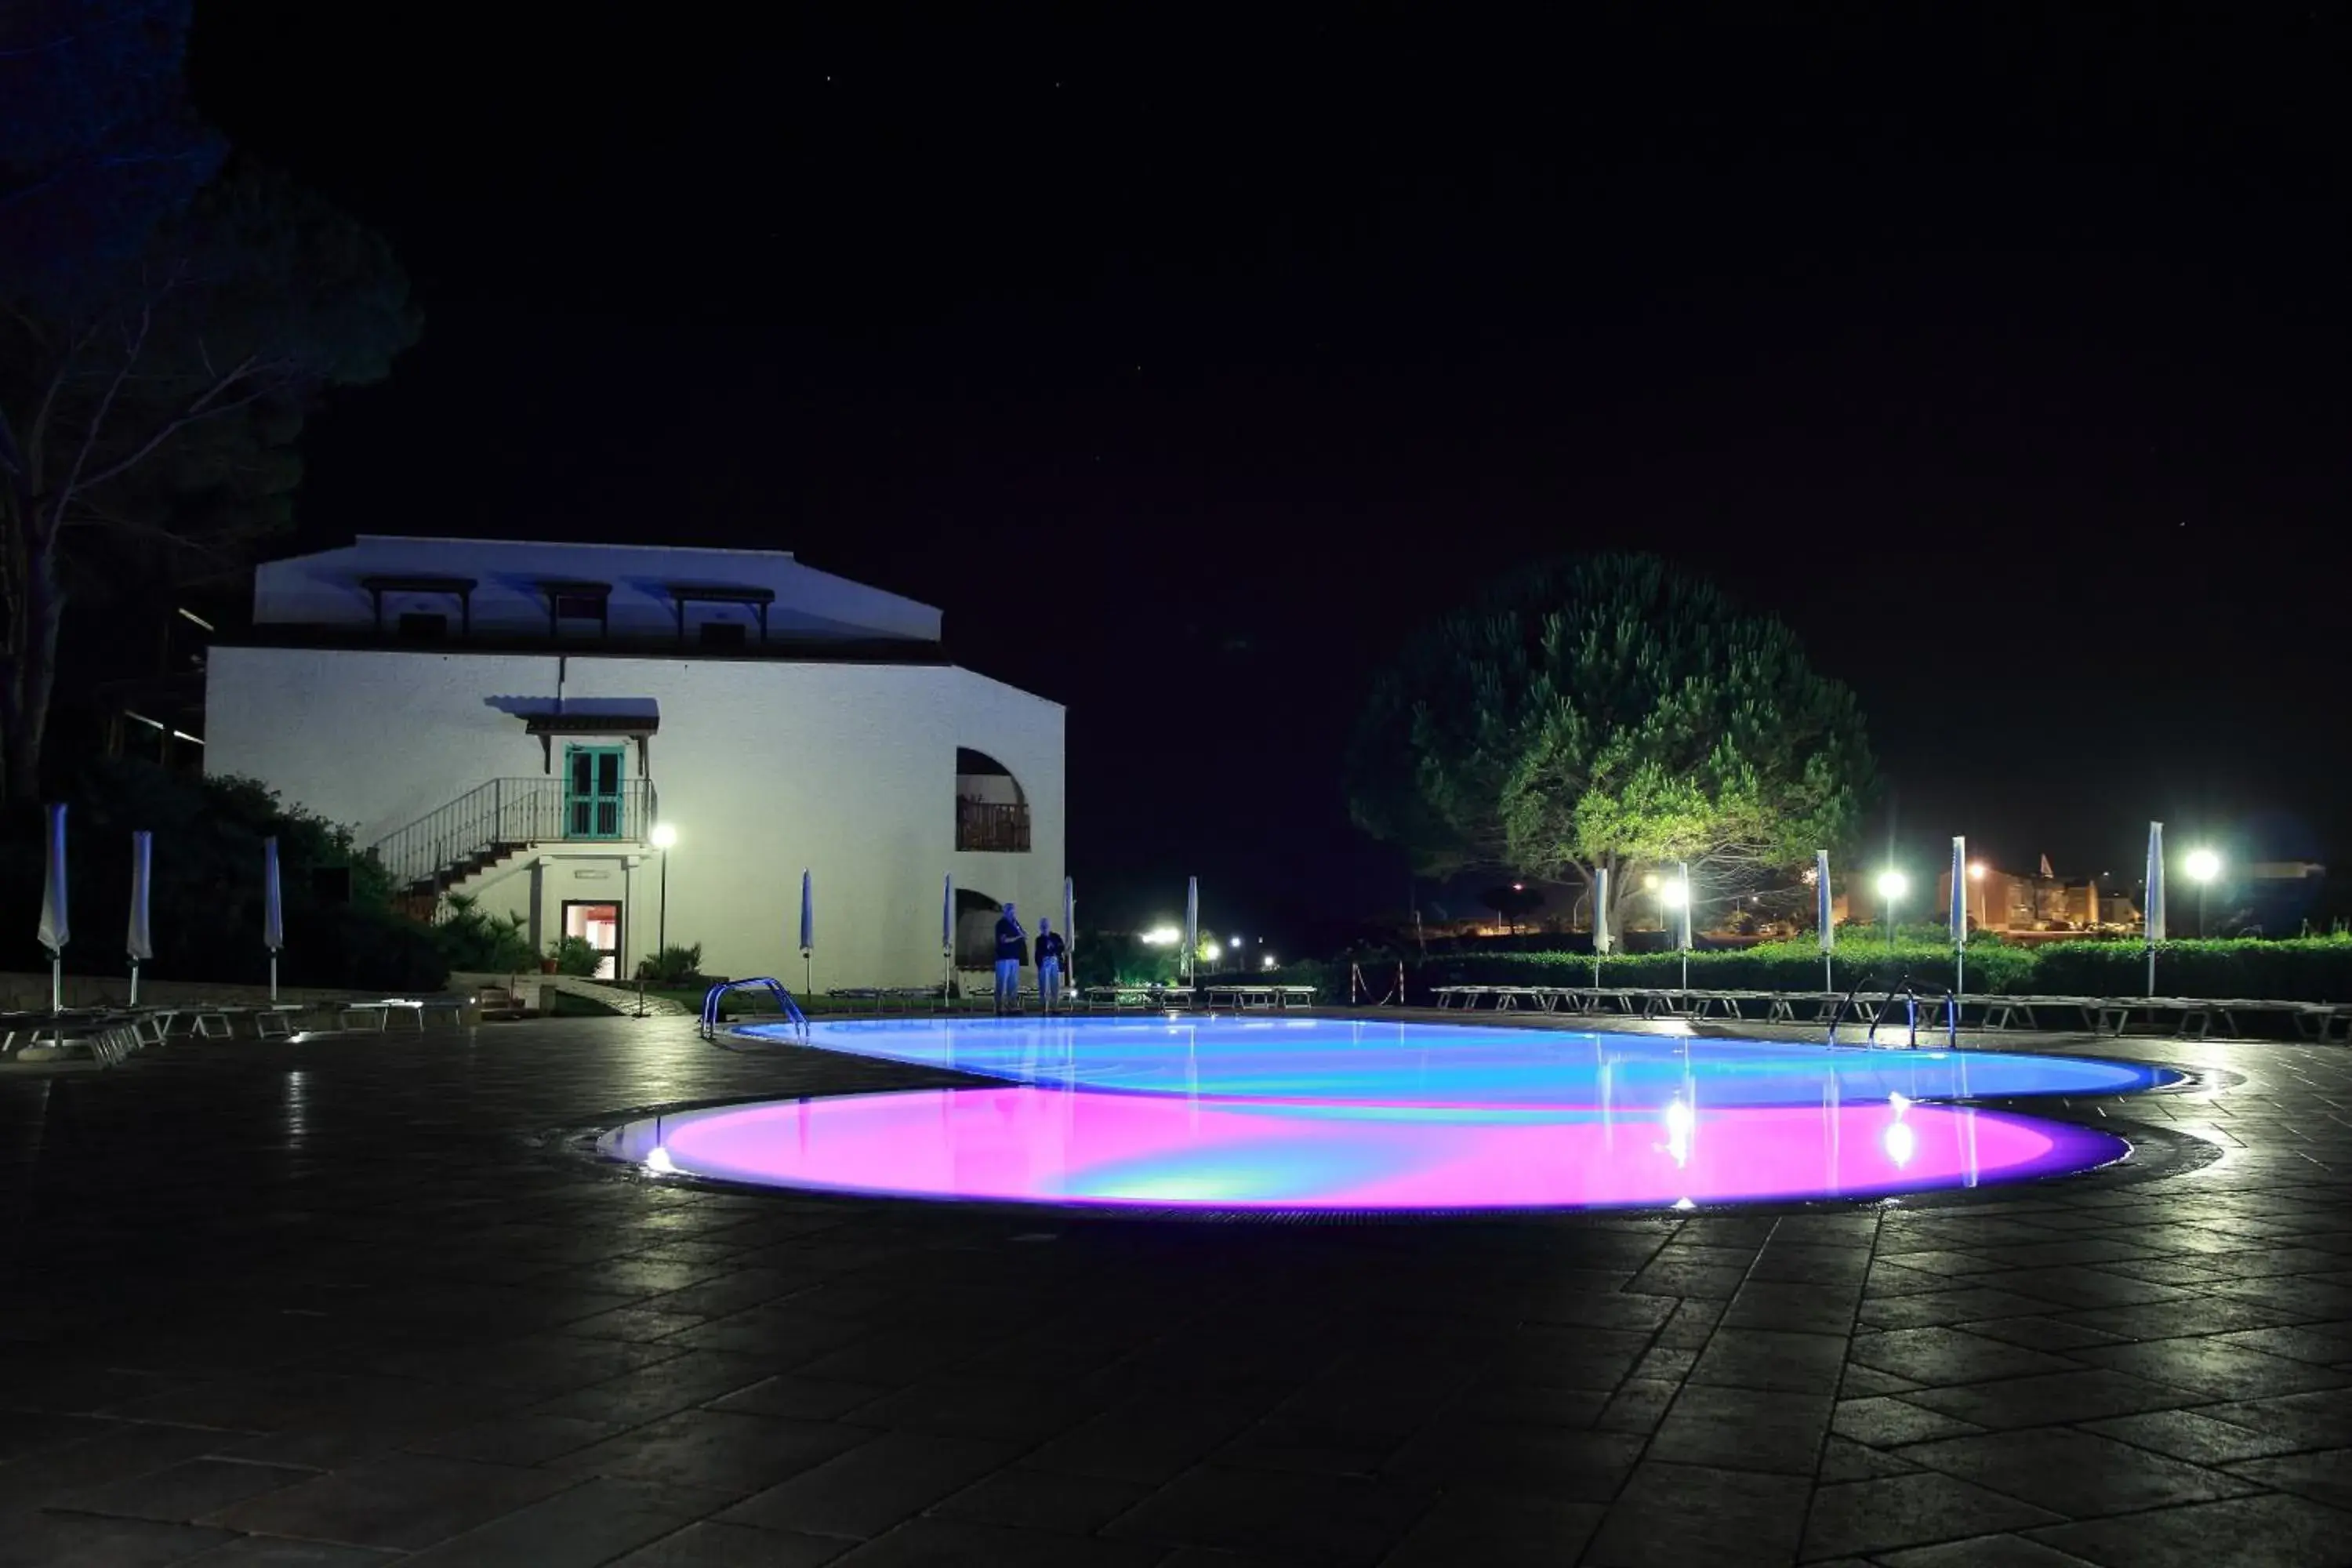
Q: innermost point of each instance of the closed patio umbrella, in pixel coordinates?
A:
(55, 928)
(808, 933)
(1192, 925)
(1682, 918)
(141, 940)
(273, 911)
(1959, 916)
(2155, 915)
(1602, 938)
(1825, 916)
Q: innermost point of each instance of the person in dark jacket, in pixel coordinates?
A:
(1050, 948)
(1012, 951)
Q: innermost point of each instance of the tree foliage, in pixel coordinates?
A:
(1608, 711)
(205, 895)
(167, 318)
(473, 941)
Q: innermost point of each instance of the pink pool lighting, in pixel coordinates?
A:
(1031, 1144)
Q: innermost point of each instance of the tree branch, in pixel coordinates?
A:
(98, 419)
(200, 409)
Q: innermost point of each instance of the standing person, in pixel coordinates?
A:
(1050, 947)
(1011, 950)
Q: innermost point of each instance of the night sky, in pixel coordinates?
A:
(1184, 361)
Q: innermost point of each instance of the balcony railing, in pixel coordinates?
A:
(990, 827)
(503, 816)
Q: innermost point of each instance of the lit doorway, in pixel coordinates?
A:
(600, 926)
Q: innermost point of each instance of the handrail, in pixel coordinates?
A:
(507, 812)
(1839, 1016)
(790, 1009)
(1911, 999)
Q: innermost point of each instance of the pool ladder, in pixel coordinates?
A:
(785, 1005)
(1902, 988)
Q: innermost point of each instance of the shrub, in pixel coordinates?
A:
(574, 956)
(2309, 969)
(477, 942)
(672, 966)
(2300, 969)
(206, 900)
(1121, 959)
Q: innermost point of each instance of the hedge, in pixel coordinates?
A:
(2307, 969)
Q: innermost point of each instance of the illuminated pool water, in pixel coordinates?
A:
(1319, 1059)
(1246, 1113)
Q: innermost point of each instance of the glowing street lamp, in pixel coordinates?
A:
(1892, 886)
(2202, 866)
(1675, 894)
(1161, 936)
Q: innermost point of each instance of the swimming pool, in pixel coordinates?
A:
(1323, 1113)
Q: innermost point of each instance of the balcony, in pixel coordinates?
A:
(992, 827)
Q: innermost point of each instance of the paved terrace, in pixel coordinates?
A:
(341, 1304)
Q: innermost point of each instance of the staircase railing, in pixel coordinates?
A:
(444, 845)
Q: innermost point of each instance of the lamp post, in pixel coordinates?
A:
(1892, 886)
(2202, 866)
(664, 838)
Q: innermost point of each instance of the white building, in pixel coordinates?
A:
(511, 721)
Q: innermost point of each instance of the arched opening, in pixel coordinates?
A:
(975, 928)
(992, 814)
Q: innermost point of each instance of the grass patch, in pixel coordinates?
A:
(564, 1004)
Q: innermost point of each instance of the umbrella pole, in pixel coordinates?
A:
(58, 981)
(134, 982)
(273, 977)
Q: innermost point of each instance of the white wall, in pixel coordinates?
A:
(762, 768)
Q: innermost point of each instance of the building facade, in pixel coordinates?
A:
(528, 724)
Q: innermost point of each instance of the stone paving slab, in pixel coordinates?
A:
(349, 1302)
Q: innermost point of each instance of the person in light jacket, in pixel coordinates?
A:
(1050, 948)
(1012, 951)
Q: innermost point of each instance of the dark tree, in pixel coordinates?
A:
(166, 320)
(1608, 711)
